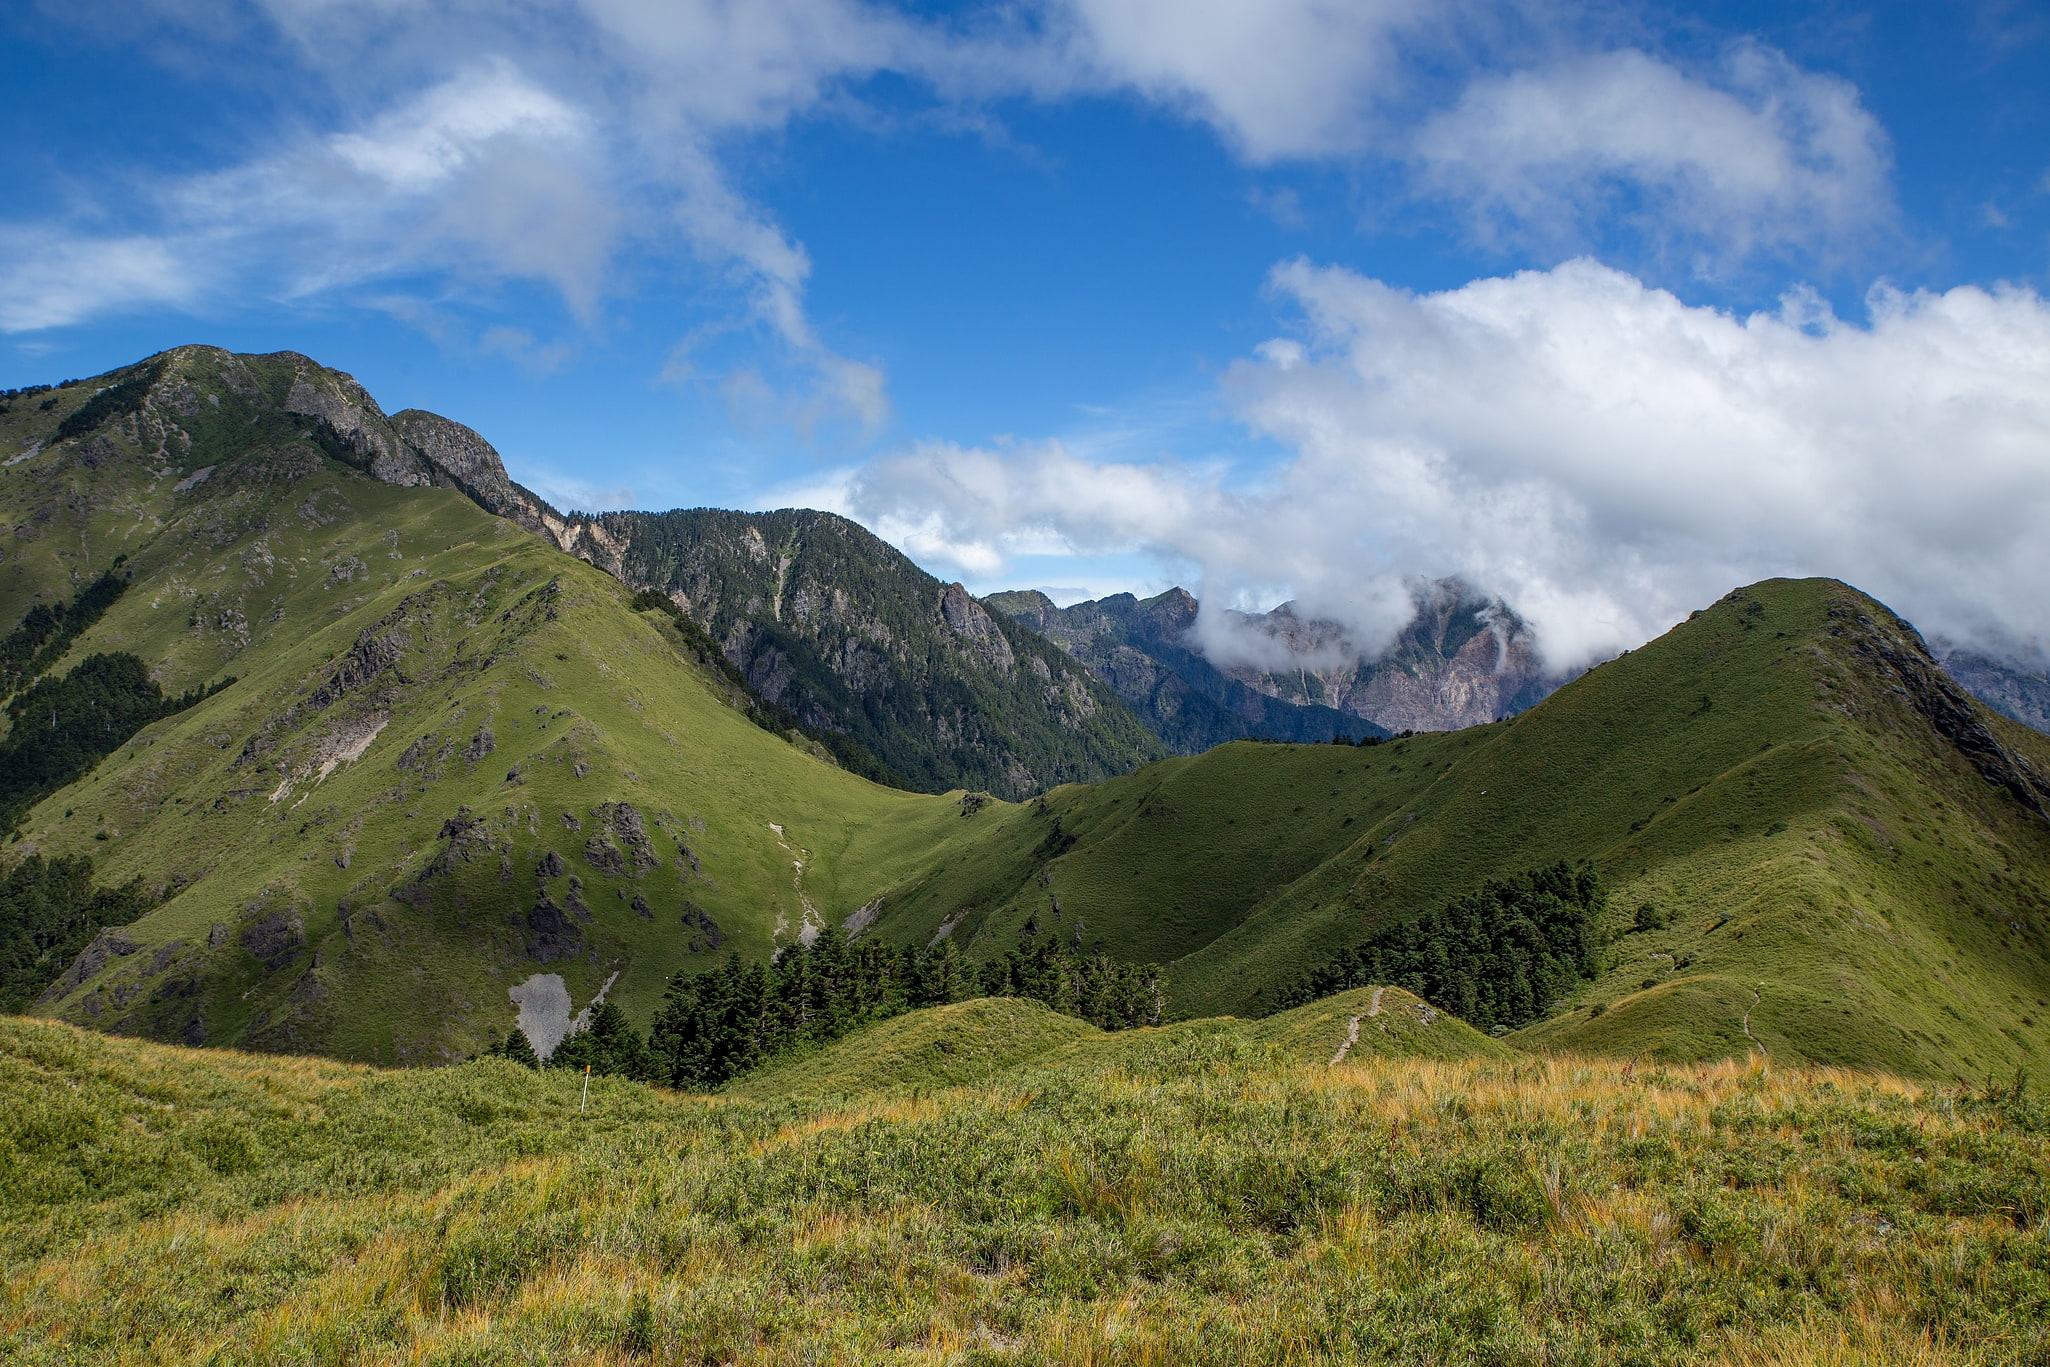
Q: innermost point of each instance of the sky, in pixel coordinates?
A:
(1604, 309)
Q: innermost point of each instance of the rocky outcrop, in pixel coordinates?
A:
(1897, 648)
(970, 621)
(460, 459)
(1463, 660)
(1142, 650)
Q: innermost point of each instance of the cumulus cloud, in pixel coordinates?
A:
(1600, 454)
(1767, 156)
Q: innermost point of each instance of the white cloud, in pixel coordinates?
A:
(1600, 454)
(1770, 156)
(1292, 78)
(50, 281)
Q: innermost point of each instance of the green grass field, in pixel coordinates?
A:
(1196, 1194)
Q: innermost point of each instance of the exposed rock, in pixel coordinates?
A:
(620, 845)
(108, 944)
(972, 622)
(274, 939)
(551, 934)
(550, 866)
(706, 935)
(1900, 648)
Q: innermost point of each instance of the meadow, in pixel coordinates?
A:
(1210, 1192)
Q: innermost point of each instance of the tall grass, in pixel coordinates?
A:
(1196, 1201)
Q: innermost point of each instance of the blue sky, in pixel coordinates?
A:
(1604, 308)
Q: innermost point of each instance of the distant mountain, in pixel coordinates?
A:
(2017, 693)
(1465, 659)
(1142, 650)
(827, 619)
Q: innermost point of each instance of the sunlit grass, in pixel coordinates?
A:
(1193, 1197)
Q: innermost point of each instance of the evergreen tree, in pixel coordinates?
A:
(517, 1048)
(1496, 957)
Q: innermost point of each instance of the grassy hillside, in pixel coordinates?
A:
(1838, 879)
(975, 1042)
(830, 621)
(1197, 1201)
(454, 757)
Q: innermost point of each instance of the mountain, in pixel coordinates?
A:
(1844, 858)
(406, 772)
(1141, 649)
(2017, 693)
(1463, 660)
(454, 763)
(828, 620)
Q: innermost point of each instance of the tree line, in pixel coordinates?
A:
(1496, 957)
(42, 636)
(728, 1021)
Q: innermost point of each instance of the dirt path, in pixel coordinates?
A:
(1756, 997)
(1352, 1027)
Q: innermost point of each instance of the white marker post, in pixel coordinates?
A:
(587, 1090)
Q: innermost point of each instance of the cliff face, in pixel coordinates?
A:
(1463, 660)
(1140, 648)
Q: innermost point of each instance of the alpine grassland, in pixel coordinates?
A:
(1796, 854)
(1190, 1194)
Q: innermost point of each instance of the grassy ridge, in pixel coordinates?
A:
(1840, 884)
(406, 661)
(1195, 1200)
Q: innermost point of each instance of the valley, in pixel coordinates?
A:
(457, 763)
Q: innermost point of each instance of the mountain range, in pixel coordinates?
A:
(427, 756)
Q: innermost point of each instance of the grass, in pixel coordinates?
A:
(1197, 1197)
(277, 567)
(1826, 863)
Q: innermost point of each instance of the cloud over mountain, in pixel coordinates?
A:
(1595, 451)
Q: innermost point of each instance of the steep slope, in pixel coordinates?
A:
(830, 621)
(1850, 858)
(1141, 650)
(455, 764)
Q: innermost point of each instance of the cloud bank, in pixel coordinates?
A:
(1600, 454)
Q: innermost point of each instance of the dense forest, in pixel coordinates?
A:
(49, 911)
(40, 639)
(1497, 957)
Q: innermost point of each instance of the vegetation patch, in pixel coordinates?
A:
(1499, 957)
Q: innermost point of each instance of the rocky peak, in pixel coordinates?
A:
(972, 622)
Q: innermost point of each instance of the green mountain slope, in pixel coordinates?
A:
(1850, 857)
(828, 620)
(1199, 1200)
(1141, 650)
(454, 759)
